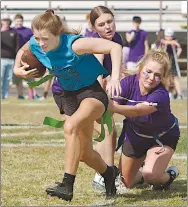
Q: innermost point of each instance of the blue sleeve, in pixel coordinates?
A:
(70, 40)
(37, 51)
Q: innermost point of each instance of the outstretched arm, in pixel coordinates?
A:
(140, 109)
(102, 46)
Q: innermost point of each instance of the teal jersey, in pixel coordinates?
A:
(72, 71)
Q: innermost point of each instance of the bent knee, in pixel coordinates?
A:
(69, 127)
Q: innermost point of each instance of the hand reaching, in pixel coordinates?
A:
(113, 88)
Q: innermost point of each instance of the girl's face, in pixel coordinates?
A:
(169, 38)
(18, 23)
(151, 75)
(105, 26)
(46, 39)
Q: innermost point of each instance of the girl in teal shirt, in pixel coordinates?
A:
(70, 58)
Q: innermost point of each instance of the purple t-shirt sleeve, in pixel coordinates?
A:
(145, 35)
(160, 97)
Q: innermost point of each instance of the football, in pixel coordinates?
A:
(33, 63)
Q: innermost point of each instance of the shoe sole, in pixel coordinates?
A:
(59, 195)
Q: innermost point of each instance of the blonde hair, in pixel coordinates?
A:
(51, 22)
(159, 56)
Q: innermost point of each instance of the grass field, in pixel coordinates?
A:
(33, 158)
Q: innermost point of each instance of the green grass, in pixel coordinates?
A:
(36, 135)
(27, 171)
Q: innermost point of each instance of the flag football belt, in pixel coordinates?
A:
(155, 136)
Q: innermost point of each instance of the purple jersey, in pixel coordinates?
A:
(151, 124)
(89, 33)
(137, 47)
(107, 63)
(25, 34)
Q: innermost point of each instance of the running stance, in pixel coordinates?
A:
(70, 58)
(150, 131)
(102, 21)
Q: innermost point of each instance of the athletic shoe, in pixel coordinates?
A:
(61, 190)
(98, 183)
(179, 97)
(36, 97)
(21, 97)
(120, 186)
(41, 98)
(173, 172)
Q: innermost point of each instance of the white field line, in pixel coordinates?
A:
(43, 133)
(40, 126)
(62, 144)
(21, 127)
(28, 133)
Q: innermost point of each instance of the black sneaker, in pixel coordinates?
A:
(61, 190)
(173, 172)
(110, 185)
(21, 97)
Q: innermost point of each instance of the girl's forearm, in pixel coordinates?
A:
(127, 111)
(139, 109)
(116, 57)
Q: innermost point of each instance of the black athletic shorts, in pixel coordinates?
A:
(69, 101)
(139, 149)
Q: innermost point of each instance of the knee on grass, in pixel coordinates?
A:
(151, 177)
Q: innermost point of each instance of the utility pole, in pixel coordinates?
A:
(49, 4)
(160, 14)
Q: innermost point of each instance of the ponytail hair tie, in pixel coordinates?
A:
(50, 10)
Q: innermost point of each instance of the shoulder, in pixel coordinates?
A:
(118, 39)
(159, 95)
(143, 32)
(129, 80)
(69, 38)
(160, 89)
(129, 31)
(96, 35)
(13, 32)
